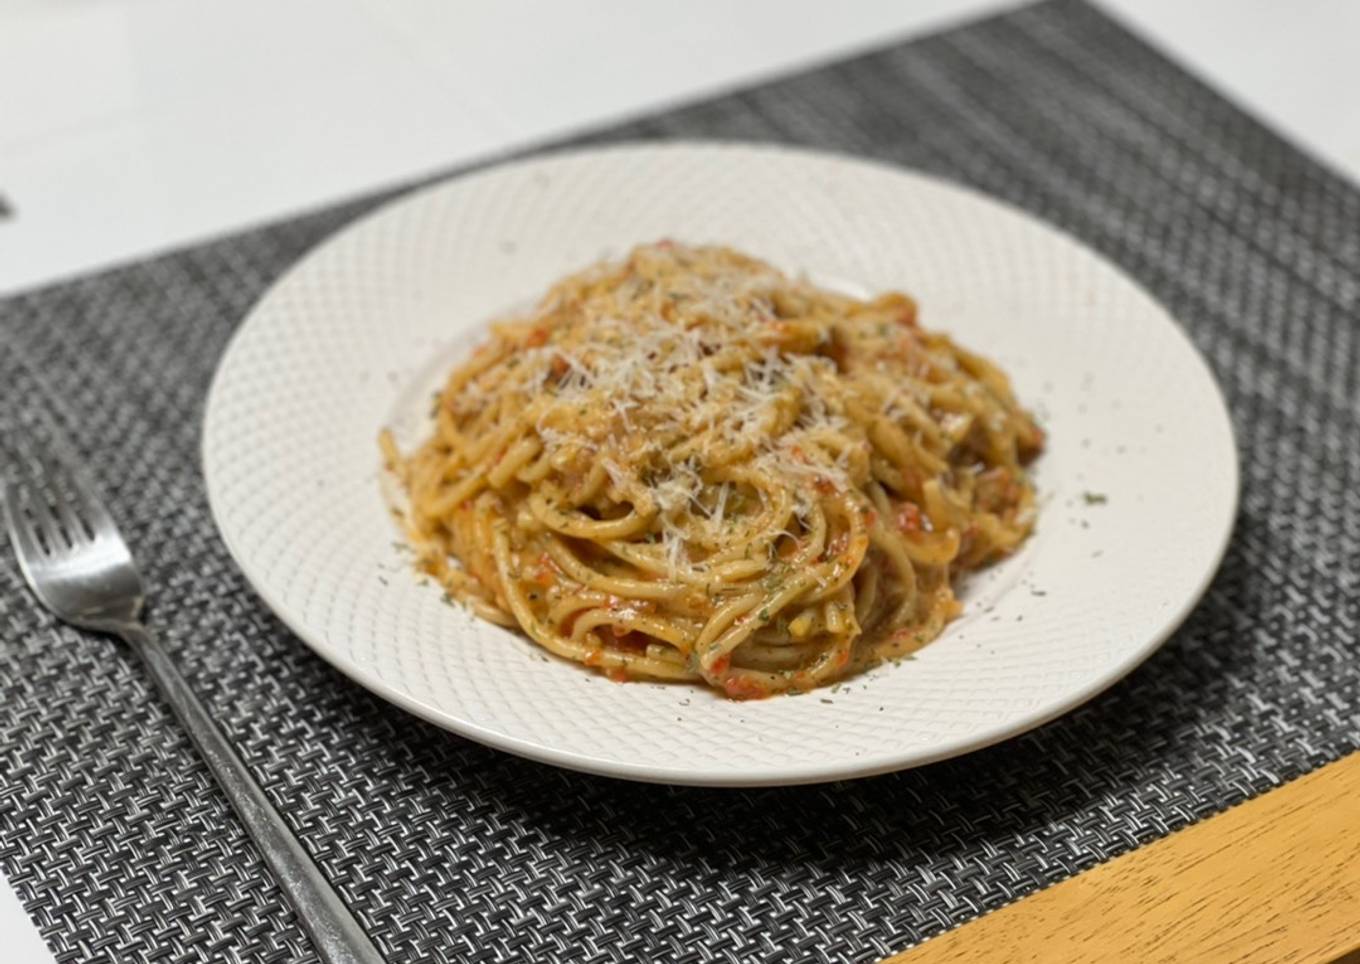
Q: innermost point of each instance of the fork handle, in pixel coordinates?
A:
(337, 935)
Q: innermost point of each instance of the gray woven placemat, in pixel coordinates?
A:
(122, 850)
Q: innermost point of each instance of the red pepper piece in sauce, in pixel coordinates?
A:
(909, 517)
(741, 688)
(545, 573)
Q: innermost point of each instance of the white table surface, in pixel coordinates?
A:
(134, 126)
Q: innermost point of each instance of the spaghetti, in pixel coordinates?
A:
(689, 466)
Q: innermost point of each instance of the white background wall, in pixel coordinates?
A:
(128, 126)
(131, 126)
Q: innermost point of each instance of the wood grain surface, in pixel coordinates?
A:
(1276, 879)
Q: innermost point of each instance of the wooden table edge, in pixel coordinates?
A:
(1276, 878)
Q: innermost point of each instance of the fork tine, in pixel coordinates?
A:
(45, 520)
(21, 528)
(78, 511)
(35, 507)
(13, 517)
(88, 507)
(61, 495)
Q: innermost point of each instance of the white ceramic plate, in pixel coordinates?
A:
(1138, 486)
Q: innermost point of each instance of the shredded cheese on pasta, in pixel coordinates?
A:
(689, 466)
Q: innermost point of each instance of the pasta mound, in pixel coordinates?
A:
(688, 466)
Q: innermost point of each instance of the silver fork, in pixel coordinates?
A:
(78, 565)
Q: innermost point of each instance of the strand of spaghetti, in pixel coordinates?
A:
(512, 460)
(589, 487)
(770, 659)
(850, 557)
(439, 503)
(707, 644)
(825, 666)
(894, 550)
(617, 586)
(866, 593)
(840, 614)
(741, 625)
(572, 648)
(663, 629)
(563, 610)
(582, 526)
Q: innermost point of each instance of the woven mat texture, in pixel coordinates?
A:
(122, 849)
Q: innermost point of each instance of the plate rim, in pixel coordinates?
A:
(803, 774)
